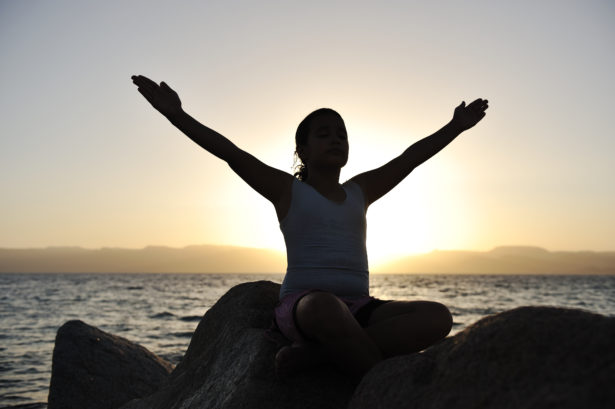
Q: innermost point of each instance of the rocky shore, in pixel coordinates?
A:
(529, 357)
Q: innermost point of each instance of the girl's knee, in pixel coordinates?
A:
(319, 312)
(443, 318)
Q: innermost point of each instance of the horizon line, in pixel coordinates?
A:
(526, 246)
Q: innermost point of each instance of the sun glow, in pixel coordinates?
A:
(398, 227)
(431, 208)
(399, 223)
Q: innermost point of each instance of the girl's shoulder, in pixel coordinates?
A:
(355, 187)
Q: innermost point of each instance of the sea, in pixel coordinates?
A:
(161, 311)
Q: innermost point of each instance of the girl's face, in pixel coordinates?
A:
(327, 144)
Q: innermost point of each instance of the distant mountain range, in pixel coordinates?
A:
(231, 259)
(505, 260)
(151, 259)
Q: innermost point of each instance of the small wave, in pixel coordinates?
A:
(191, 318)
(38, 405)
(184, 334)
(175, 346)
(134, 287)
(188, 298)
(163, 315)
(27, 371)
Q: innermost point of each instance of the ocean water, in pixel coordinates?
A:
(161, 311)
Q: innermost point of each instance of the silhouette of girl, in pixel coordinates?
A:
(325, 309)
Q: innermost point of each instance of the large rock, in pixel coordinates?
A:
(230, 363)
(529, 357)
(96, 370)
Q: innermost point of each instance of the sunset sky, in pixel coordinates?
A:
(86, 161)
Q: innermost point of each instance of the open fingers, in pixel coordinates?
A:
(476, 103)
(479, 105)
(143, 81)
(148, 88)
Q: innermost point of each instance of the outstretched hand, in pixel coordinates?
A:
(465, 117)
(162, 97)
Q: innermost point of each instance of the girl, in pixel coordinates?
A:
(325, 309)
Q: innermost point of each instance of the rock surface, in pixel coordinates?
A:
(230, 363)
(96, 370)
(529, 357)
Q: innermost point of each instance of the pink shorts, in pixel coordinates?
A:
(284, 313)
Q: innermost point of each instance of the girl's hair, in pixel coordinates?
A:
(301, 137)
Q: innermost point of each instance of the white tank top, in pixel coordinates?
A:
(325, 242)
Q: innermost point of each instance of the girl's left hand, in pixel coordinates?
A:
(162, 97)
(465, 117)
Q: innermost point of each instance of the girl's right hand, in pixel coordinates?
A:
(465, 117)
(162, 97)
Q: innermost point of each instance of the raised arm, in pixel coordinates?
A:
(376, 183)
(269, 182)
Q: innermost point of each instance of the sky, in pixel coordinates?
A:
(86, 161)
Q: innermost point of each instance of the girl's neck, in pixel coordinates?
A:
(324, 178)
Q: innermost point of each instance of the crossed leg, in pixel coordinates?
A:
(397, 327)
(404, 327)
(326, 320)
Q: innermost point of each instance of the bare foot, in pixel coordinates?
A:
(298, 357)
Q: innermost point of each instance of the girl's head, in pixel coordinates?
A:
(321, 140)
